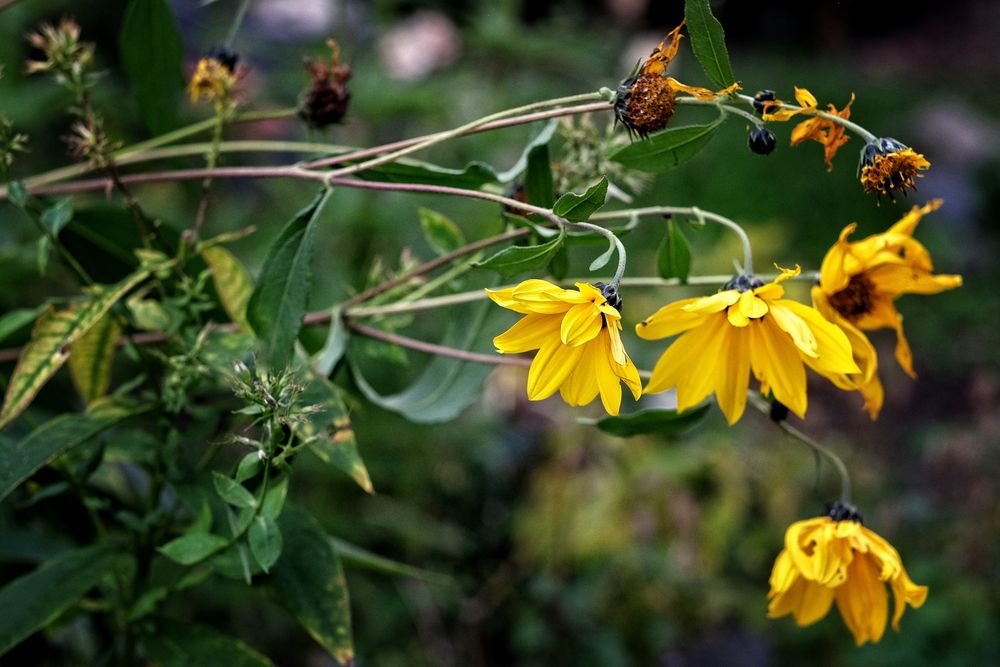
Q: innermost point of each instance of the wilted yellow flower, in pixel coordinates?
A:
(64, 53)
(859, 283)
(835, 558)
(822, 130)
(212, 81)
(887, 165)
(578, 337)
(747, 327)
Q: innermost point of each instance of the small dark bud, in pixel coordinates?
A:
(778, 412)
(840, 511)
(761, 97)
(761, 141)
(610, 292)
(225, 57)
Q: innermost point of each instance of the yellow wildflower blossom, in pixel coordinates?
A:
(578, 337)
(887, 165)
(747, 327)
(835, 558)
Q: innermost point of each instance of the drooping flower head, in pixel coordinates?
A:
(858, 286)
(644, 102)
(578, 337)
(215, 77)
(326, 101)
(747, 327)
(836, 558)
(822, 130)
(887, 165)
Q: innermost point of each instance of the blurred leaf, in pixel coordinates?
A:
(333, 349)
(148, 314)
(193, 547)
(520, 258)
(559, 264)
(309, 581)
(265, 542)
(274, 500)
(91, 356)
(708, 41)
(54, 332)
(231, 281)
(232, 491)
(673, 260)
(447, 386)
(278, 304)
(20, 460)
(668, 149)
(660, 422)
(331, 436)
(354, 555)
(17, 193)
(540, 141)
(441, 233)
(36, 599)
(579, 208)
(152, 54)
(605, 257)
(171, 643)
(248, 467)
(539, 187)
(222, 349)
(55, 218)
(472, 177)
(13, 321)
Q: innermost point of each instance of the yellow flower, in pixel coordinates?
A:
(578, 337)
(212, 81)
(827, 132)
(888, 165)
(835, 558)
(859, 283)
(747, 327)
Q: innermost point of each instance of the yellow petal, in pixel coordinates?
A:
(580, 387)
(529, 333)
(505, 298)
(863, 601)
(713, 304)
(690, 363)
(608, 383)
(550, 368)
(734, 374)
(541, 296)
(833, 349)
(905, 592)
(800, 333)
(669, 321)
(805, 98)
(580, 324)
(898, 279)
(908, 223)
(618, 355)
(775, 361)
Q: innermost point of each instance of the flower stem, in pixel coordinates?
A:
(439, 350)
(838, 464)
(237, 22)
(853, 127)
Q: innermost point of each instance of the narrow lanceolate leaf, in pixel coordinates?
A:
(232, 283)
(352, 555)
(233, 492)
(520, 258)
(541, 140)
(152, 53)
(91, 356)
(660, 422)
(674, 257)
(441, 233)
(326, 359)
(708, 42)
(278, 304)
(332, 436)
(193, 547)
(19, 460)
(171, 643)
(539, 187)
(265, 541)
(33, 601)
(54, 333)
(309, 581)
(579, 208)
(472, 177)
(668, 149)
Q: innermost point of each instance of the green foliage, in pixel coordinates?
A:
(668, 149)
(174, 644)
(708, 42)
(231, 281)
(443, 235)
(673, 260)
(152, 53)
(520, 258)
(660, 422)
(193, 547)
(579, 208)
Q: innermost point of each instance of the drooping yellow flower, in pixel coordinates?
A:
(887, 165)
(822, 130)
(578, 337)
(835, 558)
(213, 81)
(747, 327)
(859, 283)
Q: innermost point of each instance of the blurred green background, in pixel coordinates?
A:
(568, 546)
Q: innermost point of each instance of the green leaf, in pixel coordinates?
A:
(15, 320)
(53, 334)
(472, 177)
(278, 304)
(708, 41)
(171, 643)
(333, 349)
(91, 356)
(232, 283)
(148, 314)
(34, 600)
(152, 55)
(539, 187)
(19, 460)
(520, 258)
(248, 467)
(265, 541)
(331, 436)
(54, 218)
(660, 422)
(274, 500)
(193, 547)
(668, 149)
(558, 266)
(309, 581)
(541, 140)
(674, 257)
(17, 193)
(232, 491)
(351, 554)
(441, 233)
(579, 208)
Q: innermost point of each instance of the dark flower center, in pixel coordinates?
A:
(855, 300)
(743, 283)
(841, 511)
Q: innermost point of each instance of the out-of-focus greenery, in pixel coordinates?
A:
(568, 546)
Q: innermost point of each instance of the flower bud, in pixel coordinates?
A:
(761, 141)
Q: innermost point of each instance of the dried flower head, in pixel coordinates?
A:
(215, 78)
(89, 142)
(62, 49)
(887, 165)
(326, 101)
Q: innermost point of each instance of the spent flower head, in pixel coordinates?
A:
(886, 166)
(326, 101)
(215, 78)
(63, 54)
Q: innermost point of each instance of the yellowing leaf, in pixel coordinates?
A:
(232, 283)
(91, 356)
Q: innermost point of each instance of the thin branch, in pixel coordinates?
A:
(439, 350)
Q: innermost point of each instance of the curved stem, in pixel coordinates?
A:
(720, 104)
(612, 239)
(853, 127)
(237, 22)
(690, 211)
(838, 464)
